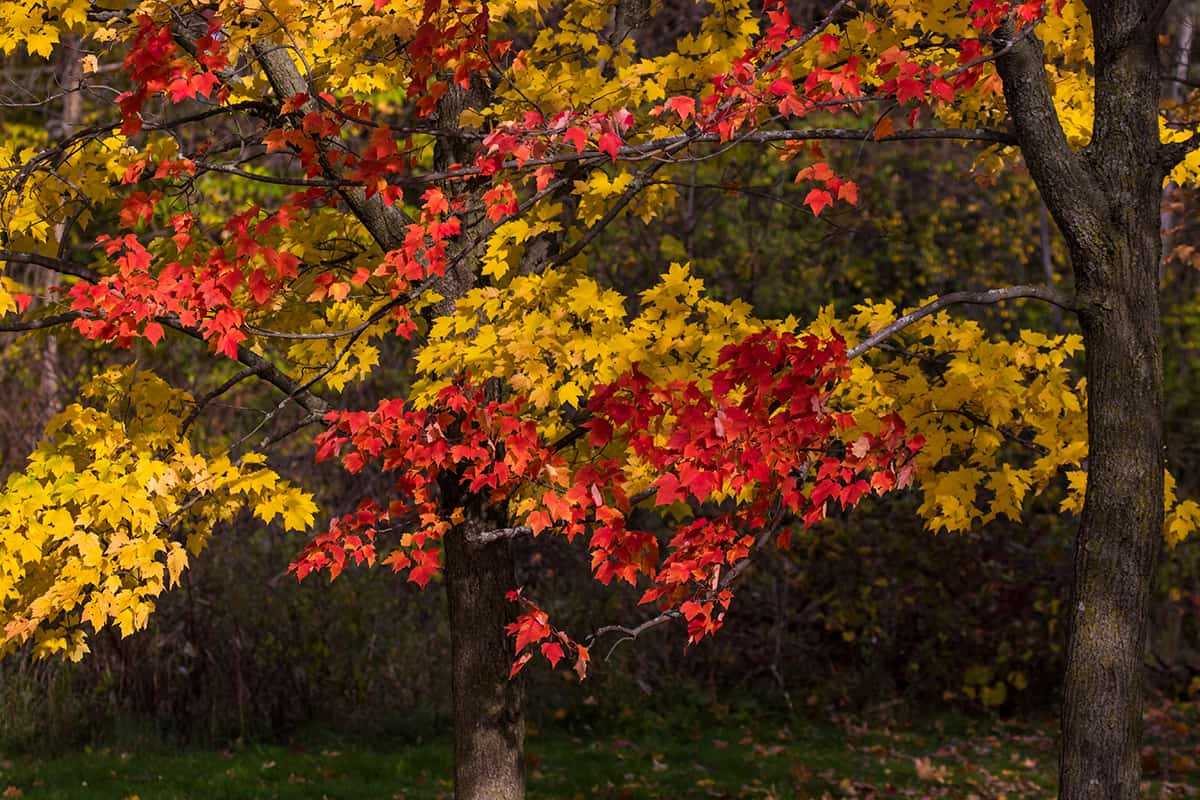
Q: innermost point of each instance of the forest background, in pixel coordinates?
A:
(867, 608)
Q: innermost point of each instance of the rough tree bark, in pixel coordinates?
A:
(1105, 200)
(489, 723)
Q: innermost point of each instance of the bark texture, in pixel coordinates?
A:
(1105, 200)
(489, 726)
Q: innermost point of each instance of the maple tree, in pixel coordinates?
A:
(293, 183)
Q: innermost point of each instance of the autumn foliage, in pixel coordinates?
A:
(732, 458)
(436, 171)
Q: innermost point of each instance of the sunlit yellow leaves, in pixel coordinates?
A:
(1187, 172)
(570, 66)
(86, 530)
(339, 359)
(556, 336)
(1002, 421)
(1182, 521)
(294, 506)
(47, 198)
(509, 240)
(39, 26)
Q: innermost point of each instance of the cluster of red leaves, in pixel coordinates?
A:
(199, 288)
(534, 136)
(761, 445)
(421, 256)
(533, 628)
(208, 288)
(203, 287)
(987, 15)
(308, 127)
(483, 447)
(835, 187)
(452, 37)
(737, 459)
(757, 444)
(156, 66)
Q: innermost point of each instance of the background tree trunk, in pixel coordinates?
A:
(1105, 200)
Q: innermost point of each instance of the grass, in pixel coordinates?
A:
(682, 755)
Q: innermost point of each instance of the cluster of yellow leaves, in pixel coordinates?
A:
(86, 529)
(344, 44)
(1002, 420)
(351, 359)
(978, 402)
(506, 244)
(576, 64)
(39, 24)
(556, 336)
(35, 202)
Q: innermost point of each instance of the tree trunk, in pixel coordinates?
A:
(489, 721)
(1119, 537)
(1105, 200)
(489, 726)
(1120, 532)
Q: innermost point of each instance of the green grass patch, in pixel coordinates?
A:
(691, 755)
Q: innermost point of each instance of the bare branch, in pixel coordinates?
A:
(213, 394)
(628, 634)
(304, 422)
(263, 368)
(1172, 153)
(38, 324)
(274, 179)
(487, 537)
(51, 263)
(988, 297)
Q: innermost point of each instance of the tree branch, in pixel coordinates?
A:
(1156, 15)
(1061, 175)
(263, 368)
(653, 148)
(38, 324)
(51, 263)
(1172, 153)
(385, 223)
(213, 394)
(988, 297)
(727, 577)
(487, 537)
